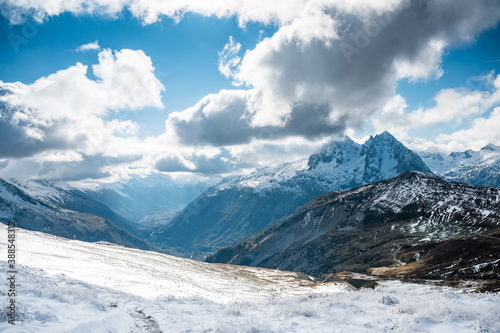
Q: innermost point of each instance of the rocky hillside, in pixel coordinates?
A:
(241, 206)
(414, 225)
(60, 194)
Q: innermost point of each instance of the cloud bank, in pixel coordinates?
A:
(151, 11)
(332, 67)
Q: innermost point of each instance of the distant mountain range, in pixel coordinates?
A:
(150, 201)
(473, 167)
(414, 225)
(240, 206)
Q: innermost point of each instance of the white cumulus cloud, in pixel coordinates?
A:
(332, 66)
(150, 11)
(61, 117)
(452, 107)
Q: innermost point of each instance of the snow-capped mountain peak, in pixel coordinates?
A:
(341, 164)
(491, 147)
(348, 164)
(336, 152)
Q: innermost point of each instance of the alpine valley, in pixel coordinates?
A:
(121, 213)
(223, 166)
(366, 215)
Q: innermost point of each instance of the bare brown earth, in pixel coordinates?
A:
(456, 258)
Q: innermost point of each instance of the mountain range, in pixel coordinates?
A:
(415, 224)
(147, 201)
(241, 206)
(196, 220)
(120, 213)
(42, 214)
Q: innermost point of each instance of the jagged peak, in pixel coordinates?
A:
(491, 147)
(469, 152)
(382, 138)
(465, 154)
(386, 134)
(381, 142)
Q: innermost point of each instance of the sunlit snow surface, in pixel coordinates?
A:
(71, 286)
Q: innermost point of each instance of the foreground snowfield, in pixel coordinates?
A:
(71, 286)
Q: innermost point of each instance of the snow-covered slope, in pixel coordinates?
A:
(474, 167)
(75, 287)
(241, 206)
(61, 194)
(151, 274)
(413, 216)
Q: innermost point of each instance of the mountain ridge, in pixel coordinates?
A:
(43, 215)
(388, 227)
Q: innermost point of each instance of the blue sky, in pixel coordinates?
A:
(160, 94)
(462, 66)
(461, 63)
